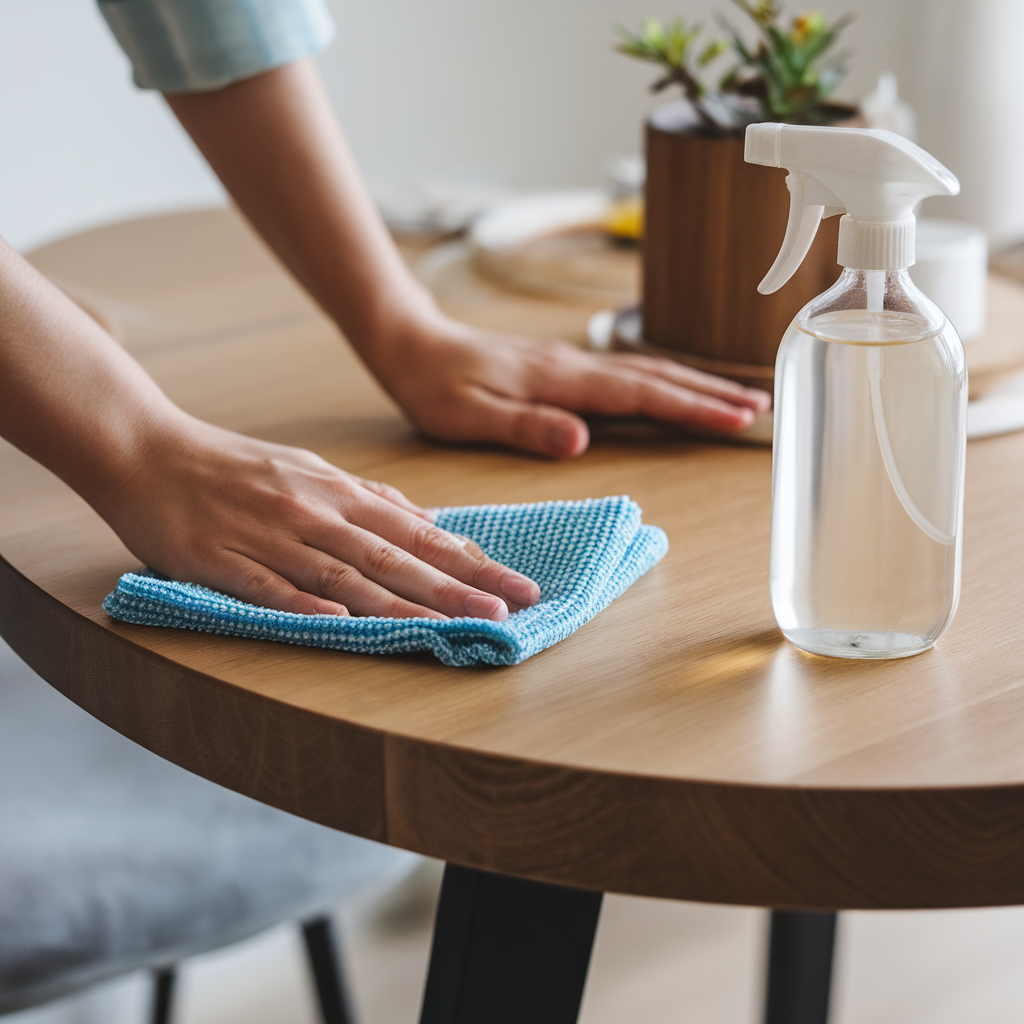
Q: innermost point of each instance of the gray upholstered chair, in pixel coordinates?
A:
(112, 859)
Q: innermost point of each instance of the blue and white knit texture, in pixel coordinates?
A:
(583, 554)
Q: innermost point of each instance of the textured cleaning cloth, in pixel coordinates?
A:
(583, 554)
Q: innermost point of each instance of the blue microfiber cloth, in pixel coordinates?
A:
(582, 554)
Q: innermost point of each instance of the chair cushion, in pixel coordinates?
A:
(112, 858)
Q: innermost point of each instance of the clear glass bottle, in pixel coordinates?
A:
(868, 470)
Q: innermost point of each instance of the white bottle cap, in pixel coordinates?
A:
(873, 176)
(876, 245)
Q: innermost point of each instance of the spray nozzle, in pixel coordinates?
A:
(873, 176)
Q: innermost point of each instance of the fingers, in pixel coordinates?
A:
(627, 386)
(457, 558)
(696, 380)
(418, 561)
(335, 580)
(361, 554)
(281, 528)
(529, 426)
(394, 495)
(379, 578)
(663, 400)
(251, 581)
(374, 577)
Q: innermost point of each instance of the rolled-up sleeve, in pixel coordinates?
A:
(197, 45)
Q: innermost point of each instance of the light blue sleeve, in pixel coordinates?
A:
(197, 45)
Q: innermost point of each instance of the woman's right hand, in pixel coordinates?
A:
(268, 524)
(280, 527)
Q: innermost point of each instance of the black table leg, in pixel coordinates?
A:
(507, 951)
(800, 967)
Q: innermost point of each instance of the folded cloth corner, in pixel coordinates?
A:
(582, 554)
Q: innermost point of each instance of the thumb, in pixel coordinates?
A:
(542, 429)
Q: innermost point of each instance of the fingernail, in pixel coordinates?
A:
(484, 606)
(430, 514)
(519, 590)
(562, 437)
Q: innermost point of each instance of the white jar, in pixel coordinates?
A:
(952, 270)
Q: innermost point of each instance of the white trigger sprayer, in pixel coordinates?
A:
(870, 405)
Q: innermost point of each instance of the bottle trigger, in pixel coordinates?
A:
(804, 219)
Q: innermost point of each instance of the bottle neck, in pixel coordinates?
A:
(878, 290)
(888, 292)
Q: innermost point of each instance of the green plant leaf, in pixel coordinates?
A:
(737, 42)
(790, 74)
(784, 48)
(711, 51)
(652, 33)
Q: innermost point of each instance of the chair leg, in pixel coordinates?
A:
(800, 967)
(325, 962)
(163, 995)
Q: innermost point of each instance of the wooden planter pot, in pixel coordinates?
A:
(713, 226)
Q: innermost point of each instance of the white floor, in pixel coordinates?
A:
(654, 962)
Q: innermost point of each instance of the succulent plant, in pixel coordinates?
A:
(788, 73)
(787, 76)
(671, 47)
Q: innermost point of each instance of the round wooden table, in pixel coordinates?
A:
(676, 746)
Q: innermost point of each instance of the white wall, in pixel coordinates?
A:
(529, 92)
(962, 65)
(525, 93)
(80, 145)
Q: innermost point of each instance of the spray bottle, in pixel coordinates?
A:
(870, 406)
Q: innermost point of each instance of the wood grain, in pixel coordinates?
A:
(675, 746)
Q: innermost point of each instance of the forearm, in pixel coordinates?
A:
(70, 397)
(275, 144)
(274, 525)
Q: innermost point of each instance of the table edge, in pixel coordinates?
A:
(689, 839)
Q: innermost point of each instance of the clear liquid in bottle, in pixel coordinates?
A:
(868, 470)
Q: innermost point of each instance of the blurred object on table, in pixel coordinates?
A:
(435, 207)
(1000, 411)
(625, 218)
(556, 244)
(883, 108)
(1009, 262)
(951, 268)
(449, 270)
(998, 353)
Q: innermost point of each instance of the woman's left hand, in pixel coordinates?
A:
(462, 384)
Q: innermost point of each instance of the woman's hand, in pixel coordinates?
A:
(276, 526)
(274, 143)
(280, 527)
(463, 384)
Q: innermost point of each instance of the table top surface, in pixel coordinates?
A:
(675, 746)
